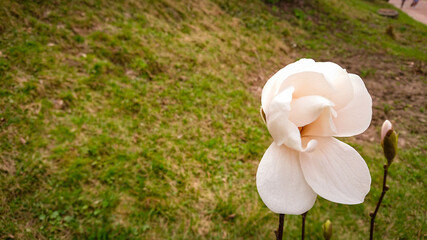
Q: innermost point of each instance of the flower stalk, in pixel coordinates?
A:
(389, 145)
(279, 231)
(374, 214)
(303, 225)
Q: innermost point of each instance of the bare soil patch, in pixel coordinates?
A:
(398, 89)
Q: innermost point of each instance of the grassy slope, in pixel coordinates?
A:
(339, 26)
(140, 119)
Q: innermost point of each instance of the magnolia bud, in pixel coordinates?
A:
(327, 229)
(389, 141)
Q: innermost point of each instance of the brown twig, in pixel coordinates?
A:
(374, 214)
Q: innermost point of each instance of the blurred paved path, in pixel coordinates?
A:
(418, 13)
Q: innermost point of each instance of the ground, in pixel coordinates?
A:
(419, 12)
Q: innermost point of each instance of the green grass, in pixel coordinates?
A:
(140, 119)
(339, 26)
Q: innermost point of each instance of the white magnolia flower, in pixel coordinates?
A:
(306, 105)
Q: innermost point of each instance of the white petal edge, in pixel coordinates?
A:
(336, 172)
(356, 116)
(281, 184)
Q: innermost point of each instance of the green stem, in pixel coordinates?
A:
(374, 214)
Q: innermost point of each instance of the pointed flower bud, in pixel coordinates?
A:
(387, 126)
(389, 141)
(327, 229)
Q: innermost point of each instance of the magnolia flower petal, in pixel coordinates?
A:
(305, 110)
(323, 126)
(311, 78)
(271, 87)
(335, 171)
(339, 79)
(280, 127)
(355, 118)
(281, 184)
(308, 83)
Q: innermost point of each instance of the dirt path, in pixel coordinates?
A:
(418, 12)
